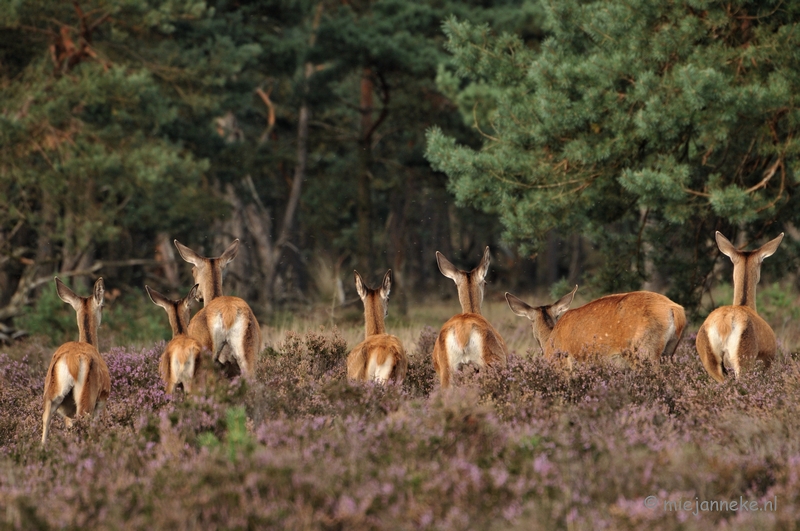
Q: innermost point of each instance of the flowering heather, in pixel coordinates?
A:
(527, 446)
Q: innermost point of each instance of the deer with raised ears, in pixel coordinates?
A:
(223, 320)
(380, 357)
(734, 337)
(77, 380)
(643, 323)
(467, 337)
(181, 360)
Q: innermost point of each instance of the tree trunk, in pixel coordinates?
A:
(401, 200)
(165, 253)
(553, 242)
(364, 208)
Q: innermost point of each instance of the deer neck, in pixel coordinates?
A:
(178, 320)
(543, 327)
(373, 315)
(87, 325)
(470, 296)
(745, 278)
(211, 282)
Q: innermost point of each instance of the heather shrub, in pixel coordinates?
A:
(421, 376)
(527, 446)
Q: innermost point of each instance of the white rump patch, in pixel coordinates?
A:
(472, 352)
(380, 373)
(726, 349)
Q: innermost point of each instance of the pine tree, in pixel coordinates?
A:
(90, 163)
(642, 125)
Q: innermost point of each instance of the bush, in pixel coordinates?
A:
(528, 446)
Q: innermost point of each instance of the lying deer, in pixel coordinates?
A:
(734, 337)
(223, 320)
(77, 380)
(181, 360)
(641, 322)
(380, 357)
(467, 337)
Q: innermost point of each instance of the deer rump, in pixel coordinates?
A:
(379, 357)
(180, 362)
(640, 322)
(468, 338)
(79, 375)
(736, 336)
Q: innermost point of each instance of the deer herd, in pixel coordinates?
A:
(225, 333)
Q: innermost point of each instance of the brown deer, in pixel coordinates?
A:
(380, 357)
(181, 361)
(734, 337)
(612, 327)
(467, 337)
(223, 320)
(77, 380)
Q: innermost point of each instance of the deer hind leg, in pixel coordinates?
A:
(242, 352)
(64, 383)
(99, 408)
(712, 361)
(50, 406)
(82, 390)
(674, 333)
(494, 355)
(440, 363)
(742, 350)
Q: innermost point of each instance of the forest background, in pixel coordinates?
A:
(599, 143)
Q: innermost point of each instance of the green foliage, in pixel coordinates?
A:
(50, 317)
(129, 319)
(238, 442)
(630, 116)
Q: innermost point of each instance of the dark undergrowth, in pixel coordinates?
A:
(526, 447)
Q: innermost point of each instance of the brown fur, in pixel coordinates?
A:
(378, 346)
(226, 325)
(494, 352)
(627, 323)
(198, 329)
(235, 315)
(181, 360)
(757, 341)
(734, 337)
(469, 324)
(77, 380)
(185, 352)
(640, 323)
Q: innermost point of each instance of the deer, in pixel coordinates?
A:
(735, 337)
(467, 338)
(181, 360)
(223, 320)
(380, 357)
(612, 327)
(77, 382)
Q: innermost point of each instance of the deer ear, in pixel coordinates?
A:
(157, 298)
(191, 297)
(360, 287)
(67, 295)
(447, 269)
(230, 253)
(99, 291)
(519, 307)
(189, 255)
(559, 307)
(386, 286)
(483, 267)
(769, 248)
(727, 248)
